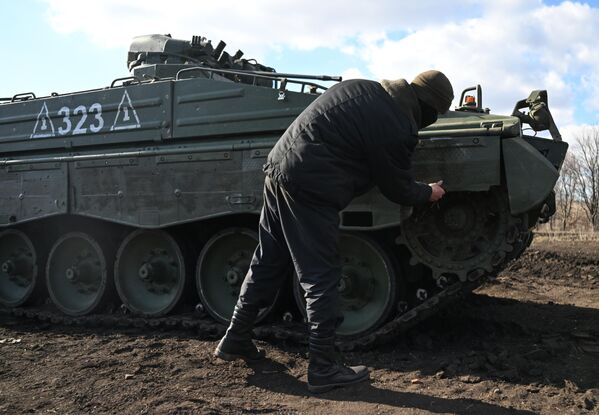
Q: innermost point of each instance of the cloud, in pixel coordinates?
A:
(510, 47)
(302, 24)
(571, 132)
(510, 50)
(353, 73)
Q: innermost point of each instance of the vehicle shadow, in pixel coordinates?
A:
(491, 338)
(484, 337)
(273, 377)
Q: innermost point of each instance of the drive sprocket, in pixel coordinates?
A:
(465, 234)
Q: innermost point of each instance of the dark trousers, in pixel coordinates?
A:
(307, 234)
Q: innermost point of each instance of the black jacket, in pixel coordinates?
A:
(349, 139)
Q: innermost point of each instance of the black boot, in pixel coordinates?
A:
(324, 370)
(237, 341)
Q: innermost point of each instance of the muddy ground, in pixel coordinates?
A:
(527, 343)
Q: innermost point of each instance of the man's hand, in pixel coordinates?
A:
(437, 192)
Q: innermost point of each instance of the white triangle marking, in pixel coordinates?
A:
(44, 122)
(129, 119)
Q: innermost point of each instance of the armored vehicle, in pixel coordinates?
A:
(139, 202)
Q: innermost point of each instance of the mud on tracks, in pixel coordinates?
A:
(527, 343)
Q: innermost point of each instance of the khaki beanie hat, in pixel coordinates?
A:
(405, 99)
(434, 88)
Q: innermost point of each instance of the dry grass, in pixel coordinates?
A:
(582, 235)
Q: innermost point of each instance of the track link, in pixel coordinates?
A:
(206, 327)
(517, 239)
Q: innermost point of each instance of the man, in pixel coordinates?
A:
(356, 135)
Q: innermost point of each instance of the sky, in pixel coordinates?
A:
(509, 47)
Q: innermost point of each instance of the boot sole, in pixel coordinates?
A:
(326, 388)
(229, 357)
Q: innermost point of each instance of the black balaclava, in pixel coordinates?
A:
(429, 94)
(428, 115)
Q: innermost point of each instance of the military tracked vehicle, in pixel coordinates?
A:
(138, 203)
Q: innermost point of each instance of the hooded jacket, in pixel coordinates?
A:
(351, 138)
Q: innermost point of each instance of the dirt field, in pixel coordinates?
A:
(527, 343)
